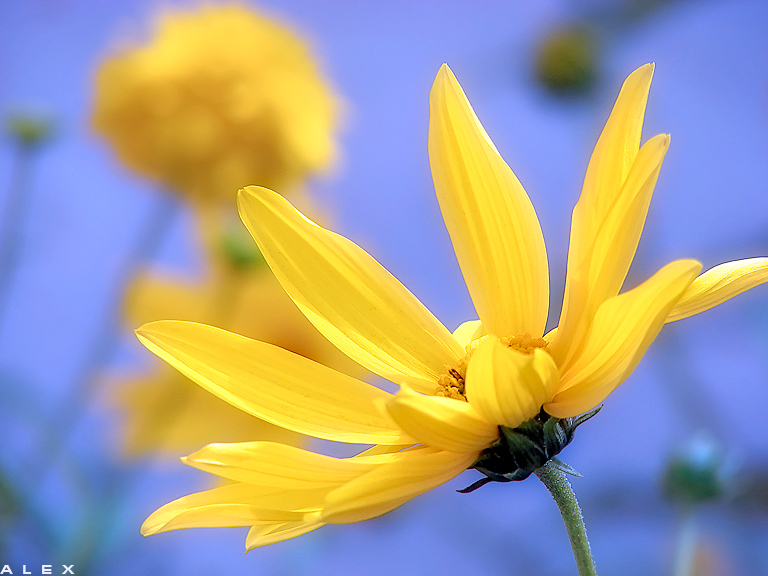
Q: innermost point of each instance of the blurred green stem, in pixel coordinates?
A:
(685, 552)
(560, 489)
(13, 217)
(108, 333)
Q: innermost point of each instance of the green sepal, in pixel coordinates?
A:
(520, 451)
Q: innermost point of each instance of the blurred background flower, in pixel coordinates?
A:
(87, 214)
(219, 97)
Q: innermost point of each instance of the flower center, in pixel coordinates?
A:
(452, 384)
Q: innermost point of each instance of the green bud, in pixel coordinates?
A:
(240, 249)
(698, 472)
(566, 61)
(28, 128)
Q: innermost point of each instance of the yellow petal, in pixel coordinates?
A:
(276, 465)
(233, 505)
(273, 384)
(621, 332)
(609, 217)
(346, 294)
(508, 387)
(493, 226)
(271, 533)
(468, 331)
(388, 486)
(719, 284)
(610, 250)
(442, 423)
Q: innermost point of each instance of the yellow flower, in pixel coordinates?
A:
(220, 98)
(457, 391)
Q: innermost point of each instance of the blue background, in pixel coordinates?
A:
(706, 374)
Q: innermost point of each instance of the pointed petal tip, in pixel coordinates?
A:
(145, 331)
(443, 80)
(643, 75)
(445, 71)
(661, 141)
(150, 527)
(249, 193)
(647, 69)
(156, 326)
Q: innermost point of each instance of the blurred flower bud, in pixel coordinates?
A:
(30, 129)
(697, 473)
(240, 250)
(566, 60)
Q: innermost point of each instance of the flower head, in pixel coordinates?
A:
(220, 98)
(458, 391)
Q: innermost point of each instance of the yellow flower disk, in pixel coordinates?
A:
(220, 98)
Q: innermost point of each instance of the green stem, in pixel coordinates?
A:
(557, 484)
(13, 218)
(685, 553)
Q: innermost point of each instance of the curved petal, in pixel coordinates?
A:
(609, 216)
(623, 328)
(273, 384)
(272, 533)
(508, 387)
(719, 284)
(277, 465)
(234, 505)
(391, 485)
(442, 423)
(468, 331)
(492, 223)
(346, 294)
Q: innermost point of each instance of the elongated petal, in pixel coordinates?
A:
(346, 294)
(277, 465)
(610, 250)
(442, 423)
(391, 485)
(233, 505)
(272, 533)
(719, 284)
(621, 332)
(609, 216)
(274, 384)
(493, 226)
(508, 387)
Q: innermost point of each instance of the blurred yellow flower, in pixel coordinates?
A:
(163, 410)
(462, 394)
(219, 99)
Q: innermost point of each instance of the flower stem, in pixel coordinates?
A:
(13, 220)
(560, 489)
(686, 543)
